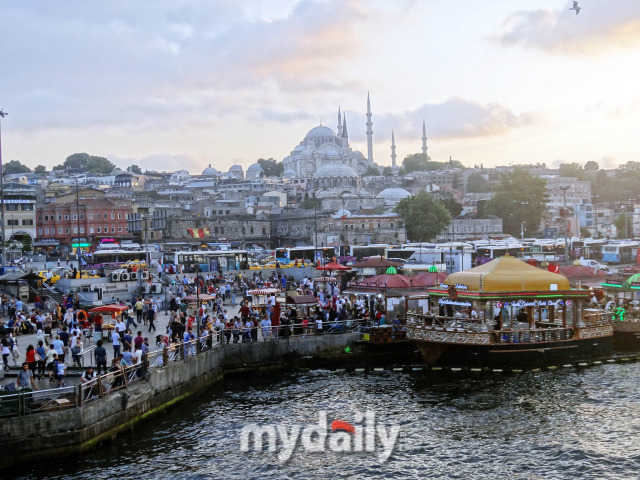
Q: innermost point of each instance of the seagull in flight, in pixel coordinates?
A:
(575, 7)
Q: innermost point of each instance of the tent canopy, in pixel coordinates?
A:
(508, 274)
(301, 300)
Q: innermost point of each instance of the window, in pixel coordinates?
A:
(82, 216)
(120, 228)
(40, 231)
(90, 215)
(13, 222)
(81, 228)
(59, 216)
(66, 216)
(119, 215)
(66, 230)
(113, 215)
(99, 229)
(11, 207)
(60, 230)
(75, 229)
(75, 216)
(46, 231)
(391, 224)
(91, 229)
(26, 207)
(98, 216)
(126, 228)
(27, 221)
(113, 229)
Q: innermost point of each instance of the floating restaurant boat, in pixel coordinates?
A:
(626, 314)
(524, 317)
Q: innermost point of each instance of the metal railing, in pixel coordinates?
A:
(27, 402)
(84, 352)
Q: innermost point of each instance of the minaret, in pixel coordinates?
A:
(369, 132)
(339, 123)
(424, 138)
(345, 134)
(393, 150)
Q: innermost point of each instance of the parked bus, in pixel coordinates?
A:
(620, 253)
(206, 261)
(291, 254)
(488, 253)
(111, 258)
(366, 251)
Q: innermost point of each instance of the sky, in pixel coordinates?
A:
(176, 84)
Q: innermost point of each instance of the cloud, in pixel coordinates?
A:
(598, 28)
(455, 118)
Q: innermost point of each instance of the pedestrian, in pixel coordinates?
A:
(25, 378)
(151, 316)
(115, 340)
(100, 354)
(59, 369)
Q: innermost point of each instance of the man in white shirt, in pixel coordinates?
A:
(120, 328)
(115, 340)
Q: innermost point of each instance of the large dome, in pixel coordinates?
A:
(209, 171)
(237, 171)
(320, 131)
(393, 194)
(335, 169)
(289, 173)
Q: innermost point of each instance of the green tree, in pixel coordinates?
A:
(419, 162)
(134, 169)
(90, 163)
(476, 183)
(423, 217)
(591, 166)
(624, 226)
(14, 166)
(453, 207)
(99, 165)
(40, 169)
(387, 171)
(371, 171)
(585, 232)
(271, 167)
(27, 244)
(520, 197)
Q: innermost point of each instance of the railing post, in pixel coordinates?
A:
(79, 396)
(100, 389)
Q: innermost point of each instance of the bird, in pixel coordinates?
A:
(575, 7)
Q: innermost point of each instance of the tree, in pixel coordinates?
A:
(453, 207)
(419, 162)
(27, 244)
(40, 169)
(271, 168)
(14, 166)
(99, 165)
(387, 171)
(90, 163)
(585, 232)
(520, 197)
(134, 169)
(591, 166)
(624, 226)
(371, 171)
(476, 183)
(423, 217)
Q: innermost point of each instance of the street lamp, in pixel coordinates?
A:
(522, 230)
(595, 212)
(4, 243)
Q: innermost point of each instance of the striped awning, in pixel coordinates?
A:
(263, 291)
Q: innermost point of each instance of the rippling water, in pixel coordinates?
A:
(563, 424)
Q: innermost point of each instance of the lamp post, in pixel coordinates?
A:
(564, 189)
(78, 237)
(595, 212)
(4, 241)
(315, 228)
(522, 230)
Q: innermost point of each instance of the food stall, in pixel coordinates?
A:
(105, 318)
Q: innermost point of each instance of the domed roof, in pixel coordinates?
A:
(209, 171)
(299, 148)
(289, 173)
(335, 169)
(393, 194)
(343, 213)
(254, 170)
(320, 131)
(236, 168)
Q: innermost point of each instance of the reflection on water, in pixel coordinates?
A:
(564, 424)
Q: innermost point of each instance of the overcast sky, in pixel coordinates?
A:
(181, 84)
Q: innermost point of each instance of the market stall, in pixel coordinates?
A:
(112, 312)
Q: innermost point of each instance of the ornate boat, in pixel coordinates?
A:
(508, 314)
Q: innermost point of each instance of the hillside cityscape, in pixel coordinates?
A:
(324, 193)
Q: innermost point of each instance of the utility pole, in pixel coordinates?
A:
(4, 240)
(564, 189)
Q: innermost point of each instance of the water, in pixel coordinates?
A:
(563, 424)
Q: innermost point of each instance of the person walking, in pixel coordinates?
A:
(115, 340)
(101, 357)
(151, 316)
